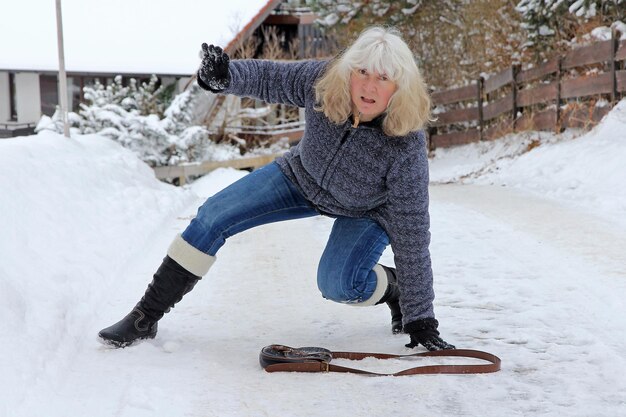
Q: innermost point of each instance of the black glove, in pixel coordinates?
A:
(424, 332)
(213, 74)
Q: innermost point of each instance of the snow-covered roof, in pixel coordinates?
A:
(120, 36)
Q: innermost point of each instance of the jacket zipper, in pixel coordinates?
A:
(343, 140)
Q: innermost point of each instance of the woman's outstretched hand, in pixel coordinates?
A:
(213, 74)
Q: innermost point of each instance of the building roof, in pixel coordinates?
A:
(122, 36)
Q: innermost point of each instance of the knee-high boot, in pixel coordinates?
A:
(169, 284)
(392, 298)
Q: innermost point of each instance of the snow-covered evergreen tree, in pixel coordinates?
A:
(130, 115)
(192, 141)
(148, 96)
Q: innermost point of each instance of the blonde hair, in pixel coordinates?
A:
(381, 50)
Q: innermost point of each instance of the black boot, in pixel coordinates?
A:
(170, 283)
(392, 298)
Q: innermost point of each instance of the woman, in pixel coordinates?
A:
(362, 160)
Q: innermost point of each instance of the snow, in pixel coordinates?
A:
(528, 251)
(118, 36)
(545, 31)
(550, 171)
(621, 28)
(601, 33)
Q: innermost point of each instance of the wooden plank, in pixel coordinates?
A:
(599, 113)
(498, 80)
(292, 136)
(545, 120)
(621, 51)
(541, 94)
(584, 117)
(181, 171)
(541, 71)
(498, 107)
(524, 122)
(498, 130)
(455, 95)
(587, 86)
(455, 138)
(456, 116)
(621, 80)
(170, 171)
(578, 118)
(592, 54)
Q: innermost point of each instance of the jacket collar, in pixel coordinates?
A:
(376, 123)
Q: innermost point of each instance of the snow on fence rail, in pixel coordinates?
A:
(516, 99)
(183, 171)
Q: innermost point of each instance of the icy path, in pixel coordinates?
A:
(539, 285)
(543, 286)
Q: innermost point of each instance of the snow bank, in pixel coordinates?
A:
(72, 214)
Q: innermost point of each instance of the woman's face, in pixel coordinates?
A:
(370, 92)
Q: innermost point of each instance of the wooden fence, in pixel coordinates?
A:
(547, 97)
(292, 131)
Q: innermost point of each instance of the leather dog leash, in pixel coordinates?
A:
(324, 365)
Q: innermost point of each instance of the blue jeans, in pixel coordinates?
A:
(265, 196)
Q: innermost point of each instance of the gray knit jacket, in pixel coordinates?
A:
(355, 172)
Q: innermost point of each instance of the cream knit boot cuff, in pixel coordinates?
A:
(381, 288)
(190, 258)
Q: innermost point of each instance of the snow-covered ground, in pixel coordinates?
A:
(587, 172)
(528, 251)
